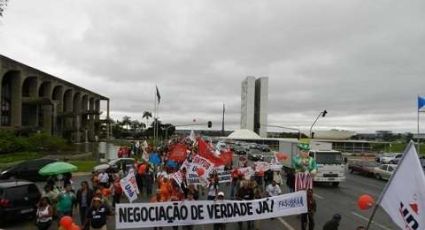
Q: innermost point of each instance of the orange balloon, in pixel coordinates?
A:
(74, 227)
(200, 171)
(106, 192)
(365, 202)
(66, 222)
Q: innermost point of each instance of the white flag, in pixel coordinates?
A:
(129, 188)
(404, 198)
(192, 136)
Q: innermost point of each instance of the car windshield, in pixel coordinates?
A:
(329, 158)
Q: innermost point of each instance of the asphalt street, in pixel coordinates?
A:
(330, 200)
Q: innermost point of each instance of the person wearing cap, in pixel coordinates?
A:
(333, 224)
(97, 215)
(219, 198)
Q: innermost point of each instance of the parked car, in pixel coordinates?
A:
(116, 164)
(239, 150)
(362, 167)
(384, 171)
(396, 159)
(264, 148)
(255, 155)
(27, 170)
(18, 198)
(387, 157)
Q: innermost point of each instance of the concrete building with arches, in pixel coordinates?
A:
(33, 100)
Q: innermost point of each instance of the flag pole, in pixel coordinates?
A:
(157, 120)
(419, 138)
(154, 119)
(387, 185)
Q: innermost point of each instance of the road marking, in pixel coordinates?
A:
(373, 222)
(288, 226)
(318, 196)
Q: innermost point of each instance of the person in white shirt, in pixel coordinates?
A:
(273, 189)
(104, 179)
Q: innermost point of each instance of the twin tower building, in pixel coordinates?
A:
(254, 104)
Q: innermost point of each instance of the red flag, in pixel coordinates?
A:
(178, 153)
(206, 151)
(227, 157)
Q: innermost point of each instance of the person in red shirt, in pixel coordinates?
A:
(234, 185)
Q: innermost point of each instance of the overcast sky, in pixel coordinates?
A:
(363, 61)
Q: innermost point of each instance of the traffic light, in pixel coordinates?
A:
(324, 113)
(209, 124)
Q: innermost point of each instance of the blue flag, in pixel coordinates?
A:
(421, 103)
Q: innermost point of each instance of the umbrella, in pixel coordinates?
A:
(56, 168)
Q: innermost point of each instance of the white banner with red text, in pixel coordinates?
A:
(148, 215)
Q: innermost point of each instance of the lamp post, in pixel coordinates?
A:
(283, 127)
(323, 114)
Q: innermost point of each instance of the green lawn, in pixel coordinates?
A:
(84, 165)
(399, 148)
(20, 156)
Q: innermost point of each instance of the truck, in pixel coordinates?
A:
(330, 163)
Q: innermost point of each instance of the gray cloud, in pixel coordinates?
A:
(362, 61)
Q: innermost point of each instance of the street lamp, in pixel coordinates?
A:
(323, 114)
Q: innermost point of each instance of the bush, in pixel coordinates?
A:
(46, 142)
(10, 143)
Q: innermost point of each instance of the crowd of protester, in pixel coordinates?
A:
(95, 200)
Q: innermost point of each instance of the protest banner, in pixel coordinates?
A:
(148, 215)
(129, 189)
(276, 167)
(177, 177)
(261, 166)
(132, 179)
(224, 176)
(247, 172)
(198, 171)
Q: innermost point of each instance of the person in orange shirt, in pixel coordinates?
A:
(165, 189)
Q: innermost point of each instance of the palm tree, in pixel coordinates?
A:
(147, 115)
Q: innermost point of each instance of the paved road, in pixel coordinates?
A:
(330, 200)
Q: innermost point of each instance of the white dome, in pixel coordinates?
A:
(243, 134)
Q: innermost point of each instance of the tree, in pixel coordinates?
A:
(3, 4)
(126, 122)
(134, 125)
(147, 115)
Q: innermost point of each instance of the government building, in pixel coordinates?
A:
(35, 101)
